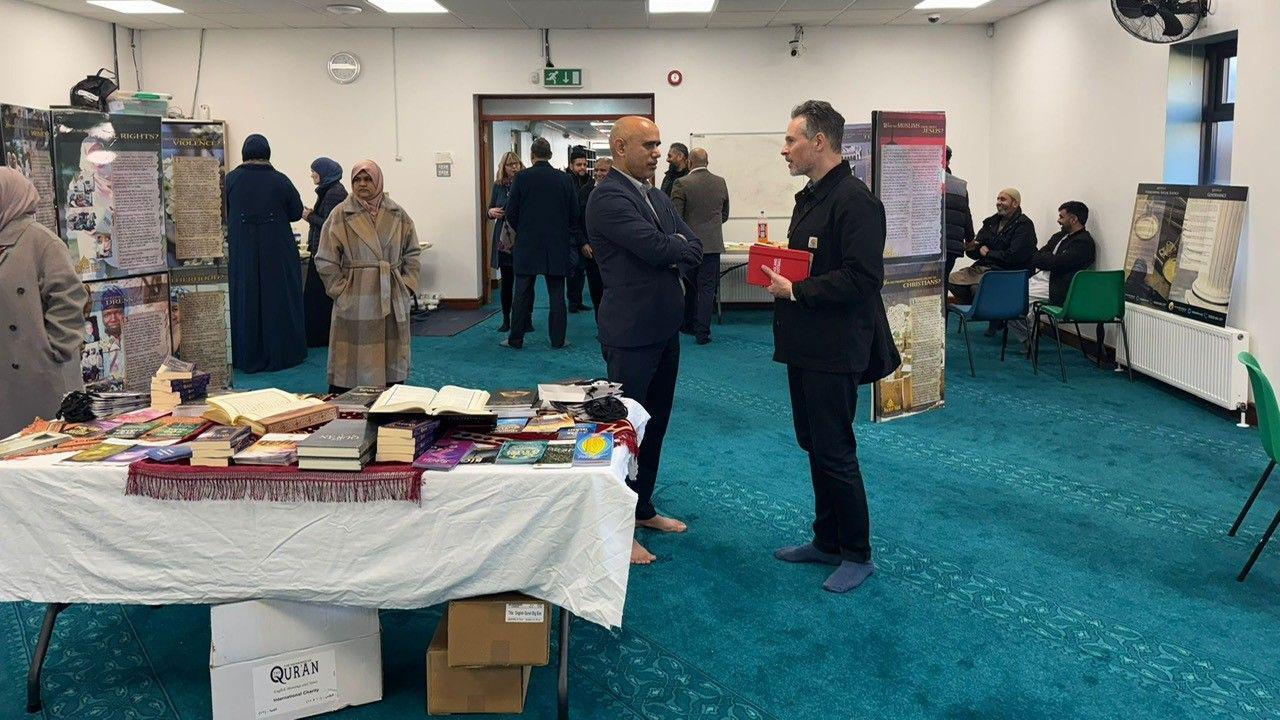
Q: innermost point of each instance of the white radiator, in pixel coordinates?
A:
(1189, 355)
(733, 283)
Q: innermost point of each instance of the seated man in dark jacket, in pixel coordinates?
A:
(1069, 251)
(1006, 242)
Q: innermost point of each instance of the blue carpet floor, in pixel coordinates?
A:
(1044, 551)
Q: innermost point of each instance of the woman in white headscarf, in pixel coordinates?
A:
(42, 304)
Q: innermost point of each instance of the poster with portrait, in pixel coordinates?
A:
(24, 137)
(126, 333)
(200, 320)
(107, 182)
(1183, 243)
(913, 297)
(193, 168)
(856, 149)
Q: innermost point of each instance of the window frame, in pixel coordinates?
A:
(1215, 109)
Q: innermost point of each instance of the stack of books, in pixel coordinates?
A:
(340, 445)
(517, 403)
(215, 446)
(110, 404)
(358, 399)
(271, 449)
(404, 440)
(169, 393)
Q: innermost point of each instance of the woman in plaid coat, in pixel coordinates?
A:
(368, 260)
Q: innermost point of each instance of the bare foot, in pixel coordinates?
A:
(640, 556)
(665, 524)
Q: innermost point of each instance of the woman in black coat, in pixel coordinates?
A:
(327, 175)
(267, 327)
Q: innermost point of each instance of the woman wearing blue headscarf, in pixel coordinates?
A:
(267, 326)
(327, 175)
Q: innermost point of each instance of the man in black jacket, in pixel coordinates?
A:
(594, 284)
(959, 219)
(642, 247)
(580, 172)
(1069, 251)
(543, 209)
(832, 333)
(1005, 242)
(677, 167)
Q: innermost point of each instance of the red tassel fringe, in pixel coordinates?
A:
(186, 483)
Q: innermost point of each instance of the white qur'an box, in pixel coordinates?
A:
(281, 660)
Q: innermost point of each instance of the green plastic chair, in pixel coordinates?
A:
(1095, 296)
(1269, 428)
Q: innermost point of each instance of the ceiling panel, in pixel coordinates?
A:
(245, 21)
(856, 18)
(811, 17)
(803, 5)
(375, 19)
(740, 19)
(748, 6)
(193, 21)
(563, 14)
(267, 7)
(679, 21)
(486, 14)
(900, 5)
(616, 15)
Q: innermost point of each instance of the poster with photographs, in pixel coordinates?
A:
(200, 318)
(24, 137)
(856, 149)
(193, 168)
(909, 178)
(1183, 244)
(126, 334)
(913, 296)
(108, 192)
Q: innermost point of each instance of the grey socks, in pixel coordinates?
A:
(806, 553)
(848, 576)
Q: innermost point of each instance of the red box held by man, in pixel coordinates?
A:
(790, 264)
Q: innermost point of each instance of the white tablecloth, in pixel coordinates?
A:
(70, 534)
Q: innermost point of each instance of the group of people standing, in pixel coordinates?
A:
(361, 277)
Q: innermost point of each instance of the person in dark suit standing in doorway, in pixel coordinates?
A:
(641, 246)
(702, 199)
(594, 284)
(543, 209)
(831, 332)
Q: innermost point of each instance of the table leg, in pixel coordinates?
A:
(37, 661)
(562, 712)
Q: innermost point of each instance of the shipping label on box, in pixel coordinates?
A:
(535, 612)
(307, 681)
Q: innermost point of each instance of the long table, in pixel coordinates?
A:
(71, 535)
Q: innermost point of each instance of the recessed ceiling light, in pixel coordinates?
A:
(344, 9)
(950, 4)
(409, 6)
(681, 6)
(136, 7)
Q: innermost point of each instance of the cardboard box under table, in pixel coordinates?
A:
(453, 690)
(499, 631)
(282, 660)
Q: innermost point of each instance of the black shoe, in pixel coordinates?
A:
(573, 309)
(561, 346)
(505, 327)
(704, 341)
(514, 346)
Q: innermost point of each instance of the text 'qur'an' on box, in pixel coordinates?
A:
(456, 690)
(790, 264)
(499, 630)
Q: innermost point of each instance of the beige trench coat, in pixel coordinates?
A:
(42, 305)
(371, 272)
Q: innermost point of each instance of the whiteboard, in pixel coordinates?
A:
(754, 170)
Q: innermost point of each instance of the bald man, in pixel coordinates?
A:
(641, 247)
(702, 199)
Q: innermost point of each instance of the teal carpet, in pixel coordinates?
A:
(1044, 551)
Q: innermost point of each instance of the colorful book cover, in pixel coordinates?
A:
(128, 456)
(559, 454)
(548, 423)
(480, 455)
(577, 431)
(444, 455)
(98, 453)
(141, 416)
(509, 426)
(512, 398)
(594, 449)
(133, 430)
(174, 430)
(221, 434)
(172, 453)
(521, 452)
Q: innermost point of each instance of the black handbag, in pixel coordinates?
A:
(91, 93)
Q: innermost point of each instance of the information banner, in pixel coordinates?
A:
(856, 148)
(126, 332)
(200, 317)
(108, 192)
(24, 135)
(1183, 243)
(908, 155)
(193, 166)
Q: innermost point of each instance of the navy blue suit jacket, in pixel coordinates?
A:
(643, 300)
(543, 209)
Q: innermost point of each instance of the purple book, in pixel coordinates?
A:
(444, 455)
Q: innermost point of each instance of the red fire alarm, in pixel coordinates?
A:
(674, 78)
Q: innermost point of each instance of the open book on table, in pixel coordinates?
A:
(249, 408)
(449, 399)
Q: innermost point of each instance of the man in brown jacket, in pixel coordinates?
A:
(702, 199)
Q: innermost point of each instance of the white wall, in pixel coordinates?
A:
(1078, 112)
(38, 71)
(273, 81)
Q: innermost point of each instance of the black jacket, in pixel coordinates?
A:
(1077, 253)
(669, 180)
(543, 209)
(328, 197)
(641, 259)
(584, 193)
(1008, 249)
(958, 224)
(837, 322)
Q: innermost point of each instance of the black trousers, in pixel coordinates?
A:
(575, 280)
(648, 376)
(522, 309)
(700, 295)
(594, 284)
(946, 276)
(823, 407)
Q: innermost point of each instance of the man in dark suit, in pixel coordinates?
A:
(702, 199)
(641, 246)
(580, 173)
(832, 333)
(594, 284)
(543, 209)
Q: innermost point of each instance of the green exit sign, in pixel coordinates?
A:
(562, 77)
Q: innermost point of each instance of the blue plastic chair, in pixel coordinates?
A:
(1001, 296)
